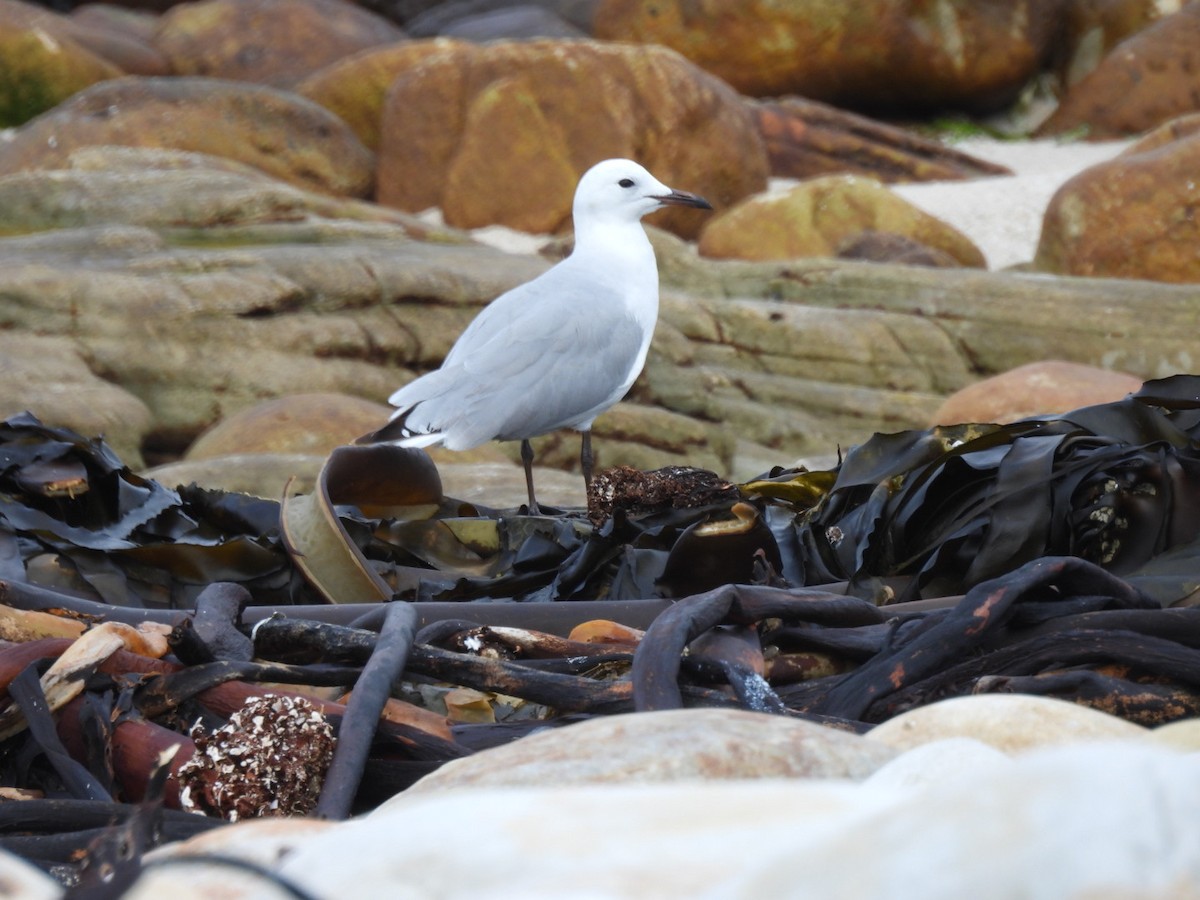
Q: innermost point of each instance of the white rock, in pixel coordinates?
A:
(22, 881)
(669, 745)
(939, 762)
(1086, 820)
(1009, 722)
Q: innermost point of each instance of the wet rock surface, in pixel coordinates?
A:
(278, 133)
(274, 42)
(1131, 217)
(1150, 77)
(819, 215)
(884, 53)
(684, 125)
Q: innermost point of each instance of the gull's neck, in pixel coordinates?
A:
(615, 242)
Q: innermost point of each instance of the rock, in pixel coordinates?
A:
(1182, 735)
(126, 52)
(49, 377)
(816, 216)
(276, 42)
(1091, 28)
(1040, 827)
(884, 247)
(1131, 217)
(257, 474)
(106, 185)
(673, 745)
(296, 423)
(637, 435)
(1143, 82)
(439, 18)
(279, 133)
(1034, 389)
(805, 138)
(136, 23)
(500, 485)
(38, 70)
(1013, 723)
(261, 843)
(531, 117)
(881, 54)
(778, 360)
(510, 21)
(960, 759)
(354, 87)
(26, 881)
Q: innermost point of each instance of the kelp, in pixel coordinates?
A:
(904, 516)
(932, 513)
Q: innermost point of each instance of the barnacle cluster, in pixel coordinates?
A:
(269, 759)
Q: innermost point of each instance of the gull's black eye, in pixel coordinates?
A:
(626, 182)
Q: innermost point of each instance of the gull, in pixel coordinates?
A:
(556, 351)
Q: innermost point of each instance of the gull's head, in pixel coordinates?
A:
(622, 191)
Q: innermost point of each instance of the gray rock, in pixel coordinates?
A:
(671, 745)
(198, 320)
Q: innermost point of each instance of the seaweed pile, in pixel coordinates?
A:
(1054, 556)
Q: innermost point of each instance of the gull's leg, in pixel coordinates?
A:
(527, 459)
(586, 459)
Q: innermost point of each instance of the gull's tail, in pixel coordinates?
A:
(396, 432)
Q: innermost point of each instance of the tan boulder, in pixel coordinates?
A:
(1034, 389)
(275, 42)
(129, 53)
(1144, 81)
(37, 72)
(1092, 28)
(500, 133)
(818, 216)
(49, 377)
(136, 23)
(1013, 723)
(296, 423)
(870, 53)
(105, 185)
(1133, 216)
(284, 135)
(805, 139)
(354, 87)
(665, 746)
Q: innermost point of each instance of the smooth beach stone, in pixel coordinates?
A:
(1133, 216)
(937, 762)
(261, 842)
(274, 42)
(817, 216)
(601, 841)
(313, 423)
(662, 746)
(1009, 722)
(1146, 80)
(872, 53)
(529, 117)
(1088, 820)
(1183, 735)
(1034, 389)
(276, 131)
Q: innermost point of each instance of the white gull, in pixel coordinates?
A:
(556, 351)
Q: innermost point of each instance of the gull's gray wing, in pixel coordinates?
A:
(547, 354)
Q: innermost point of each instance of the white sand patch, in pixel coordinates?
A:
(1003, 215)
